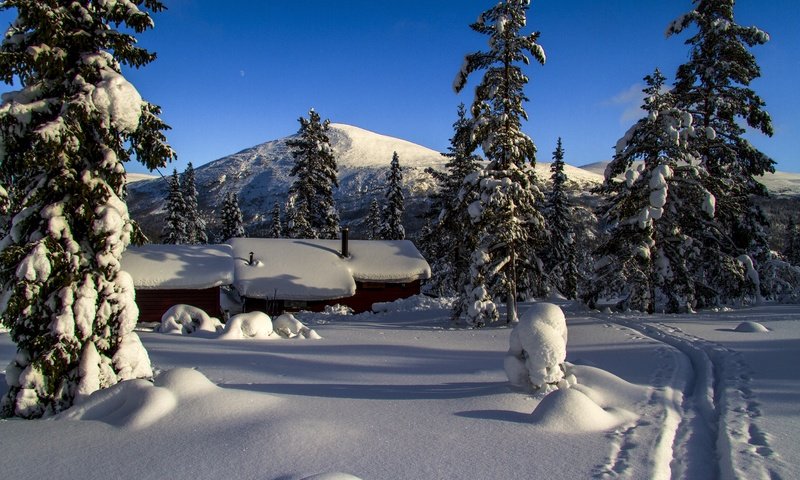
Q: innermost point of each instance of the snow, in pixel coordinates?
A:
(403, 395)
(179, 266)
(299, 269)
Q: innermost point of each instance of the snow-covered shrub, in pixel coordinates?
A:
(289, 327)
(186, 319)
(779, 279)
(248, 325)
(337, 310)
(536, 359)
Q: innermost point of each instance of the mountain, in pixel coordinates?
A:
(260, 177)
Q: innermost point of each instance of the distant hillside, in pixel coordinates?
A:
(260, 177)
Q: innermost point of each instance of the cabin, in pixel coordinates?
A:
(166, 275)
(275, 274)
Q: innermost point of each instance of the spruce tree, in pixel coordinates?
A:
(561, 259)
(508, 226)
(714, 87)
(297, 215)
(315, 176)
(232, 224)
(66, 135)
(195, 225)
(276, 229)
(392, 228)
(175, 230)
(792, 242)
(448, 243)
(663, 246)
(374, 221)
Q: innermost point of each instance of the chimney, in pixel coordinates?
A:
(250, 262)
(345, 242)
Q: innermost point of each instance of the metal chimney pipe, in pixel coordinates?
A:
(250, 262)
(345, 242)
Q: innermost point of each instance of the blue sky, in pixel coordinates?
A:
(230, 75)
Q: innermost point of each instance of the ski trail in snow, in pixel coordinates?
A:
(718, 412)
(648, 440)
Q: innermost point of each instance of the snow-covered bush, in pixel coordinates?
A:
(186, 319)
(779, 279)
(536, 359)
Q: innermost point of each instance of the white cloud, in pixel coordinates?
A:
(630, 101)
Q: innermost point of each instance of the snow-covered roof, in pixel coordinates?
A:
(300, 269)
(179, 266)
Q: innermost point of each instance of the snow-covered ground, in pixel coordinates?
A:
(399, 394)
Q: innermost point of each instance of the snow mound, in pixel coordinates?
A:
(185, 319)
(751, 327)
(571, 410)
(185, 383)
(256, 325)
(414, 303)
(332, 476)
(289, 327)
(538, 350)
(133, 405)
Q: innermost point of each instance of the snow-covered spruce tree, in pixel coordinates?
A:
(65, 136)
(276, 227)
(392, 228)
(714, 87)
(448, 242)
(175, 230)
(792, 251)
(195, 225)
(297, 223)
(374, 221)
(561, 262)
(508, 226)
(232, 224)
(315, 175)
(663, 246)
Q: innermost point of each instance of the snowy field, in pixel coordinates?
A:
(400, 395)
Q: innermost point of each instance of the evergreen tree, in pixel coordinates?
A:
(392, 228)
(315, 176)
(66, 135)
(232, 224)
(175, 229)
(663, 244)
(297, 214)
(195, 225)
(714, 87)
(508, 226)
(561, 260)
(374, 221)
(276, 230)
(448, 242)
(792, 242)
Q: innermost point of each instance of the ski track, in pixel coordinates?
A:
(701, 406)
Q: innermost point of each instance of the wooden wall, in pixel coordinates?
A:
(153, 303)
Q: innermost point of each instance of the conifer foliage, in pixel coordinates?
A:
(232, 224)
(448, 242)
(374, 221)
(276, 229)
(561, 262)
(315, 178)
(714, 87)
(195, 225)
(508, 227)
(175, 229)
(66, 135)
(395, 203)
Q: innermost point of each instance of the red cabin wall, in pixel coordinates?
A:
(153, 303)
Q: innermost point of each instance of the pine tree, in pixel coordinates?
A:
(195, 225)
(392, 228)
(374, 221)
(276, 230)
(714, 87)
(315, 176)
(792, 242)
(66, 135)
(509, 228)
(232, 224)
(663, 244)
(175, 229)
(297, 215)
(448, 243)
(561, 259)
